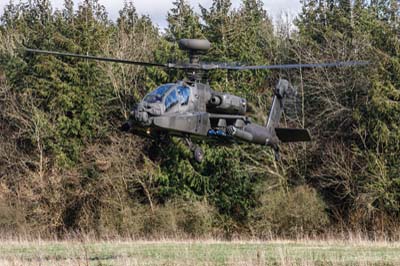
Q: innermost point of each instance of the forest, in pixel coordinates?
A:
(66, 168)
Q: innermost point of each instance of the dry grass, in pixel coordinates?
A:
(199, 252)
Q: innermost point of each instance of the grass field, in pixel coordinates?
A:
(166, 252)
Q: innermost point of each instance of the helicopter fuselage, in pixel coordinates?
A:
(195, 110)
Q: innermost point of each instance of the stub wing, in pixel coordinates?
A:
(293, 134)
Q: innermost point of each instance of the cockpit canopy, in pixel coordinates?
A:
(170, 95)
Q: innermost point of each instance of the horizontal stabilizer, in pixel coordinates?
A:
(292, 134)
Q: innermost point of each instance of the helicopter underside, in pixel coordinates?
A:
(220, 129)
(205, 126)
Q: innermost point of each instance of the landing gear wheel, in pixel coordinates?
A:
(198, 154)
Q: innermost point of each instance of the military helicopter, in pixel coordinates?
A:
(191, 109)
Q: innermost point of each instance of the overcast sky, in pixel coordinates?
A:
(157, 9)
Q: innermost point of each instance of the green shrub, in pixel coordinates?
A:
(161, 222)
(179, 218)
(194, 218)
(293, 213)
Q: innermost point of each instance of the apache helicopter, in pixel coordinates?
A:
(191, 109)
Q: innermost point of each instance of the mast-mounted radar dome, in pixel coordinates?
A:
(194, 44)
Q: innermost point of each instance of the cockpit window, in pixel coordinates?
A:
(157, 94)
(183, 94)
(171, 100)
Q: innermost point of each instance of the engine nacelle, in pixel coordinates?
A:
(224, 103)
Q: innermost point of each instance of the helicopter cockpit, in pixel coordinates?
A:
(158, 94)
(169, 94)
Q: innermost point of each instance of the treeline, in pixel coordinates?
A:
(65, 167)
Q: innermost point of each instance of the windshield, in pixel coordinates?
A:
(183, 92)
(171, 100)
(157, 94)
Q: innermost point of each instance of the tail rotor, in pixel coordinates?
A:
(282, 91)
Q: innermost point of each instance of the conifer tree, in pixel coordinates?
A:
(250, 43)
(69, 92)
(218, 25)
(136, 38)
(183, 22)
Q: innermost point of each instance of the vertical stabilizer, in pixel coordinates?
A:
(282, 90)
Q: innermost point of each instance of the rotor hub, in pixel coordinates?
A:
(196, 48)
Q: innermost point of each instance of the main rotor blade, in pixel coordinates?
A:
(203, 65)
(107, 59)
(288, 66)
